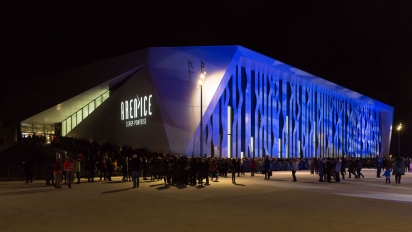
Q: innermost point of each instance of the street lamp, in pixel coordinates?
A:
(200, 85)
(399, 140)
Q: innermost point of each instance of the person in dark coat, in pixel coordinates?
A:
(86, 168)
(294, 167)
(267, 167)
(200, 171)
(159, 168)
(359, 166)
(225, 167)
(28, 170)
(170, 171)
(351, 168)
(109, 169)
(145, 168)
(338, 168)
(329, 170)
(242, 166)
(125, 168)
(206, 170)
(379, 166)
(48, 168)
(135, 167)
(102, 167)
(238, 163)
(252, 167)
(398, 169)
(193, 171)
(232, 168)
(343, 167)
(312, 165)
(91, 163)
(320, 169)
(213, 168)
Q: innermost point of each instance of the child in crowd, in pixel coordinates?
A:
(387, 174)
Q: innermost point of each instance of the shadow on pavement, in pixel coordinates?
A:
(114, 182)
(307, 182)
(27, 192)
(116, 191)
(240, 184)
(180, 186)
(163, 187)
(154, 185)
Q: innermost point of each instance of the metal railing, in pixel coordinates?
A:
(17, 172)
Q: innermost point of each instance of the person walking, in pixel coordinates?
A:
(78, 164)
(206, 170)
(91, 163)
(238, 164)
(109, 169)
(69, 166)
(49, 172)
(64, 176)
(378, 166)
(145, 168)
(193, 171)
(135, 167)
(312, 165)
(200, 171)
(28, 170)
(343, 167)
(267, 167)
(338, 169)
(225, 167)
(319, 166)
(387, 174)
(233, 169)
(351, 168)
(213, 168)
(359, 167)
(252, 167)
(125, 168)
(170, 170)
(329, 170)
(242, 167)
(57, 170)
(295, 167)
(398, 169)
(102, 169)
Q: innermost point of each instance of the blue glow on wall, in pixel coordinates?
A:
(281, 115)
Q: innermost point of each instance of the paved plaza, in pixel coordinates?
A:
(253, 204)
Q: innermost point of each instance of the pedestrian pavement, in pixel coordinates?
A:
(252, 204)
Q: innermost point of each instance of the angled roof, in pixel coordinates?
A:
(174, 84)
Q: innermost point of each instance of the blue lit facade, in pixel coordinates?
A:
(283, 112)
(252, 106)
(282, 116)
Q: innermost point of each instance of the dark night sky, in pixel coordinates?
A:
(361, 45)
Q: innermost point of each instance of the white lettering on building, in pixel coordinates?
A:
(135, 109)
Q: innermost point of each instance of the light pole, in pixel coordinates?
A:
(399, 139)
(200, 85)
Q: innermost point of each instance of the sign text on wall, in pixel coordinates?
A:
(135, 110)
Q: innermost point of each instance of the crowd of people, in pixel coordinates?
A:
(102, 161)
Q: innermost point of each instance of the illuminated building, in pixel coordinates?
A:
(253, 105)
